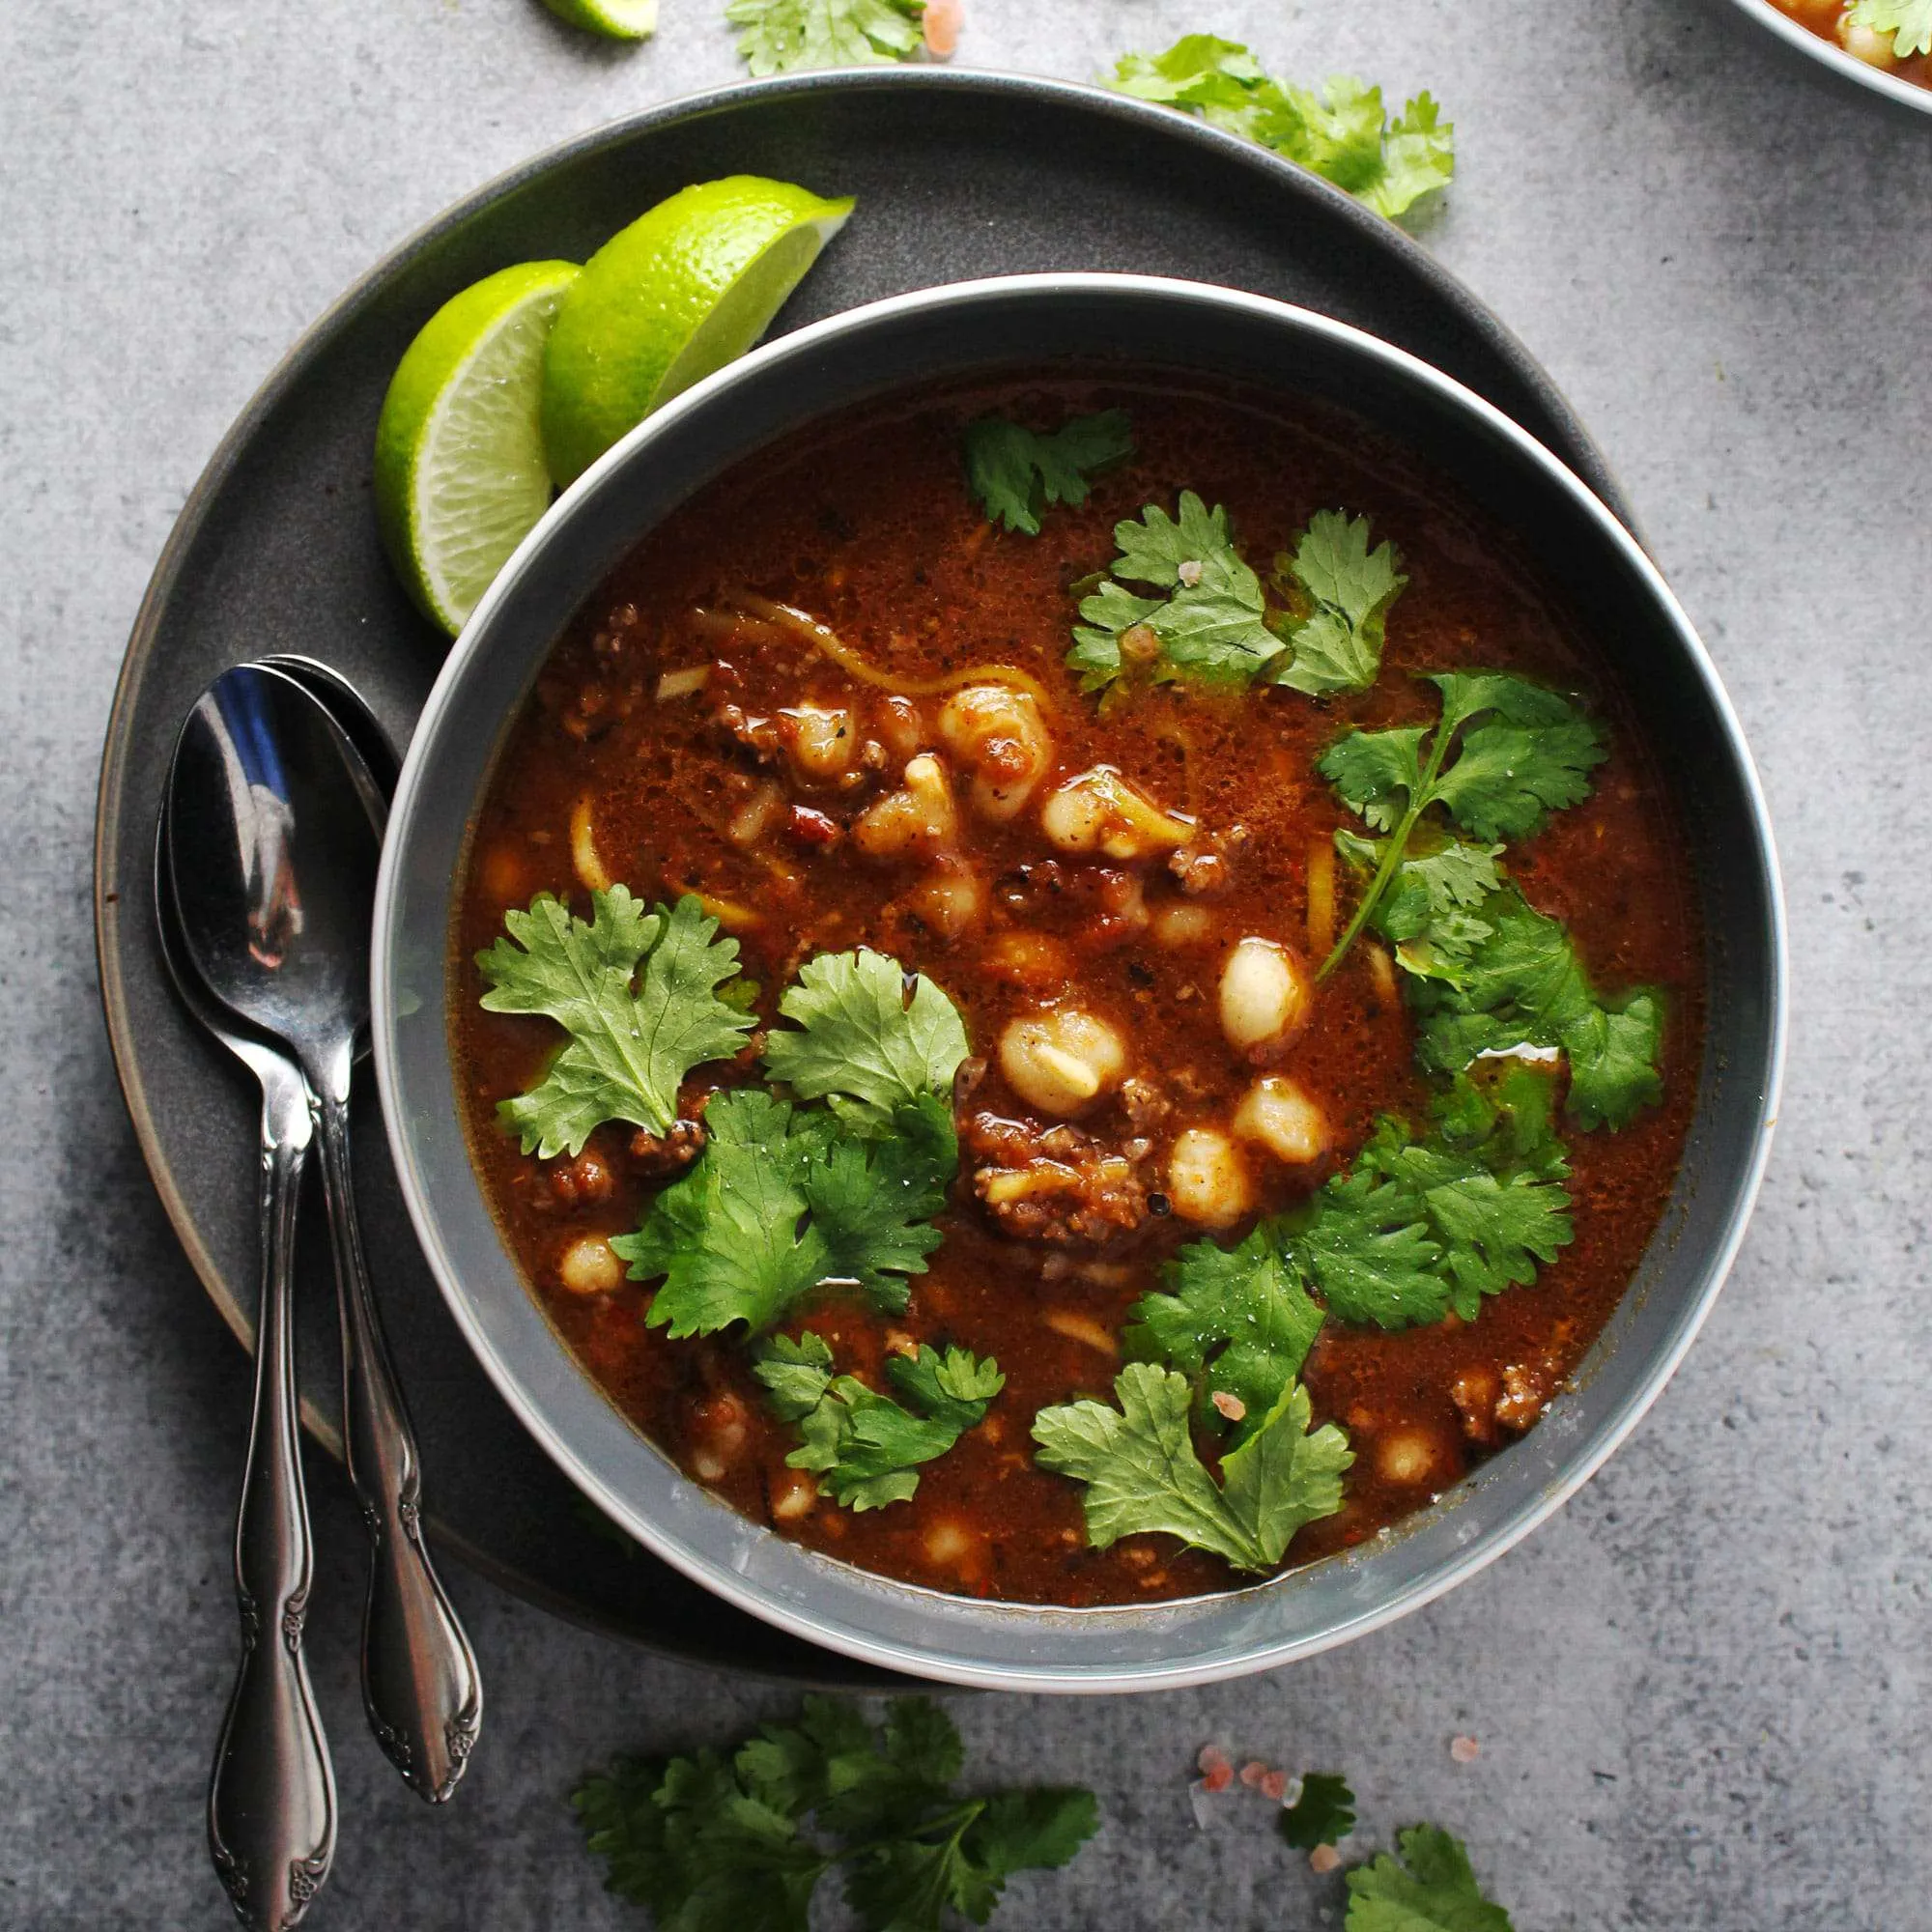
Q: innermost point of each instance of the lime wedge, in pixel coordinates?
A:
(460, 472)
(616, 19)
(679, 293)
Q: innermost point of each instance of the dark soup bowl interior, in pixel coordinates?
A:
(1586, 557)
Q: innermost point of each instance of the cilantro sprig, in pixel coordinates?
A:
(781, 34)
(739, 1844)
(864, 1448)
(1143, 1474)
(1210, 622)
(1017, 473)
(1431, 1886)
(789, 1198)
(1520, 752)
(1323, 1814)
(637, 993)
(1908, 21)
(1343, 133)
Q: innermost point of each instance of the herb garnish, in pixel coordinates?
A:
(632, 1040)
(781, 34)
(1908, 21)
(1324, 1814)
(718, 1843)
(1211, 622)
(1017, 473)
(1430, 1888)
(1142, 1472)
(863, 1446)
(1531, 755)
(1343, 134)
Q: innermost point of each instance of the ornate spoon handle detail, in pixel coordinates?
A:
(271, 1797)
(420, 1684)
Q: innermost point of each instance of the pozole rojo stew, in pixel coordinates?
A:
(1077, 990)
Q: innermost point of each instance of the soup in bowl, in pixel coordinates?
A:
(1079, 982)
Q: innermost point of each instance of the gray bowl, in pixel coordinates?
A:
(939, 332)
(1827, 55)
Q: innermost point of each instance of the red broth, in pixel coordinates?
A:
(867, 524)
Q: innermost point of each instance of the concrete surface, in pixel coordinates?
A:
(1701, 1693)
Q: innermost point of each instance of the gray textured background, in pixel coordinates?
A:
(1701, 1692)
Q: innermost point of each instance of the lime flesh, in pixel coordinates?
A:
(685, 288)
(614, 19)
(460, 469)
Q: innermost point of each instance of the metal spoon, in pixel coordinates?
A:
(271, 1794)
(274, 831)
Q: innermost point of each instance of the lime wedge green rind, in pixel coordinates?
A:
(682, 291)
(614, 19)
(460, 470)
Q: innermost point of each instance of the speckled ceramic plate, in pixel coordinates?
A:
(958, 174)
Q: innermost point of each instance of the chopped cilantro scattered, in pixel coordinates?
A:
(870, 1037)
(1324, 1813)
(1338, 644)
(1418, 1228)
(781, 34)
(1522, 985)
(1908, 21)
(632, 1039)
(1236, 1322)
(864, 1448)
(784, 1200)
(1430, 1888)
(1017, 473)
(739, 1842)
(1522, 752)
(1142, 1472)
(1344, 133)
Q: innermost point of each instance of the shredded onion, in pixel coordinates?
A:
(1321, 899)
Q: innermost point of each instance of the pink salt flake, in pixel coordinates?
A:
(1219, 1778)
(1324, 1859)
(1274, 1787)
(1230, 1404)
(1465, 1750)
(1252, 1774)
(942, 22)
(1212, 1758)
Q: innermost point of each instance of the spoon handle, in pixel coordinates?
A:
(420, 1685)
(271, 1796)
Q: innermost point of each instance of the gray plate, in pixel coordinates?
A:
(957, 175)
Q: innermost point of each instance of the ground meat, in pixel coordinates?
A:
(1474, 1393)
(1053, 1184)
(1526, 1387)
(1143, 1105)
(758, 736)
(582, 1182)
(1202, 868)
(660, 1156)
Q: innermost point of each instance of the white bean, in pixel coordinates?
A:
(589, 1266)
(1282, 1116)
(1062, 1061)
(998, 734)
(950, 901)
(1207, 1179)
(1100, 811)
(1183, 925)
(917, 822)
(1264, 996)
(1868, 45)
(819, 740)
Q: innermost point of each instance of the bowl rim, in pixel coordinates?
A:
(773, 1605)
(1832, 57)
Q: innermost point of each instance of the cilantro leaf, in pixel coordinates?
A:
(1142, 1474)
(864, 1446)
(1418, 1228)
(872, 1201)
(1209, 624)
(1430, 1888)
(1324, 1813)
(729, 1238)
(1017, 473)
(1427, 911)
(632, 1040)
(1522, 752)
(781, 34)
(1236, 1322)
(1908, 21)
(1342, 134)
(870, 1037)
(1524, 985)
(718, 1843)
(1338, 646)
